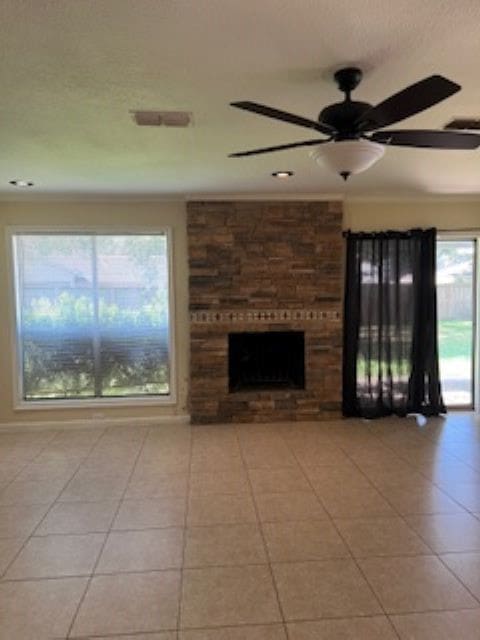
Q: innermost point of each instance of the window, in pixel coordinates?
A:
(456, 299)
(92, 315)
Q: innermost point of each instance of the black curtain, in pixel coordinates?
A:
(390, 356)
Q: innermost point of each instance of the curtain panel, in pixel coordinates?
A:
(390, 355)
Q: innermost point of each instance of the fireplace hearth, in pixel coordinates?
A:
(264, 360)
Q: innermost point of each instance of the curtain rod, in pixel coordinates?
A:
(457, 230)
(386, 232)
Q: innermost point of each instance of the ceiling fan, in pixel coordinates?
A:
(354, 128)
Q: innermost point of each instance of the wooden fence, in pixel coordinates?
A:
(454, 301)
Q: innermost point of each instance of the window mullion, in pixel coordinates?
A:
(96, 322)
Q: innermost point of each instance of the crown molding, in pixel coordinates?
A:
(287, 197)
(80, 198)
(90, 198)
(414, 197)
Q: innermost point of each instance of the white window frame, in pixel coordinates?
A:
(470, 236)
(19, 403)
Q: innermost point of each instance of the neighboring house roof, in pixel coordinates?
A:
(118, 271)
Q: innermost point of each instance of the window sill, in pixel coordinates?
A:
(36, 405)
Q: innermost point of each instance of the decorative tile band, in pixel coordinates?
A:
(266, 315)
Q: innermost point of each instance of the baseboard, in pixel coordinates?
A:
(93, 423)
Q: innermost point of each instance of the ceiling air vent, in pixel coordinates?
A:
(472, 124)
(162, 118)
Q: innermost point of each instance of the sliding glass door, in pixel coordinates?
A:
(456, 297)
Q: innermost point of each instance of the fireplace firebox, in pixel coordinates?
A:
(266, 360)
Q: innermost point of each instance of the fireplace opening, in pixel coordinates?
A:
(266, 360)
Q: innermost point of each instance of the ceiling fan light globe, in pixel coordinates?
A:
(348, 156)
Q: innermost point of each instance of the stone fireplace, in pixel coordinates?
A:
(265, 289)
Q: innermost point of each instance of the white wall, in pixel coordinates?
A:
(380, 215)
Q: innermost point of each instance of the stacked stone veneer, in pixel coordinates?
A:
(264, 266)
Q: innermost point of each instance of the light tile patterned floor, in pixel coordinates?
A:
(349, 530)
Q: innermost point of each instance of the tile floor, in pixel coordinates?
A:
(348, 530)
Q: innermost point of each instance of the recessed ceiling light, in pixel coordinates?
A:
(21, 183)
(282, 174)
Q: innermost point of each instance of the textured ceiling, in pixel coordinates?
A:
(71, 70)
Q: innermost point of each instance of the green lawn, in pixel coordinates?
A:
(455, 350)
(455, 339)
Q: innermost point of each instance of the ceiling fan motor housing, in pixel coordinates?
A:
(342, 116)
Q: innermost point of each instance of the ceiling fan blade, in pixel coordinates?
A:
(415, 98)
(276, 114)
(429, 139)
(281, 147)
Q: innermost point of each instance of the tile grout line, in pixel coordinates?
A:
(431, 440)
(185, 525)
(450, 570)
(347, 546)
(25, 466)
(92, 574)
(380, 490)
(28, 462)
(248, 625)
(403, 518)
(218, 566)
(265, 546)
(52, 504)
(440, 488)
(415, 469)
(358, 466)
(398, 514)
